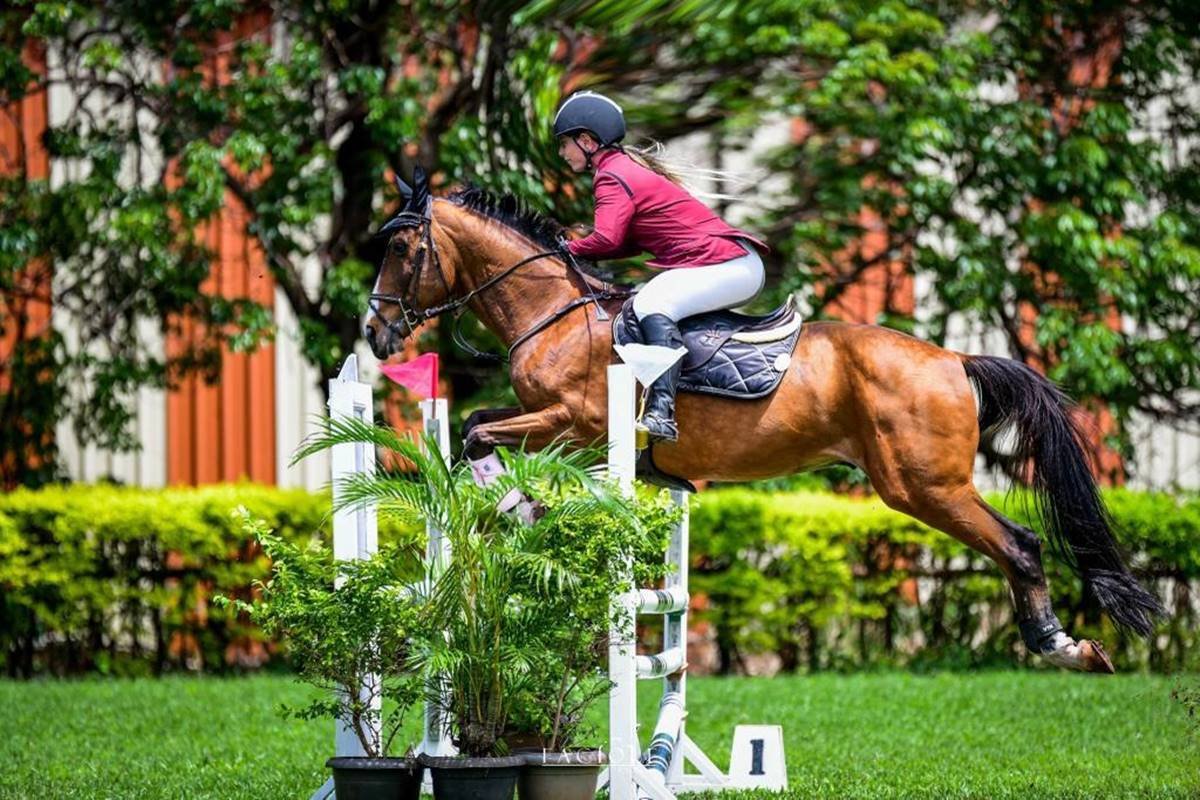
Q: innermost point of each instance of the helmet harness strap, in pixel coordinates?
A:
(587, 154)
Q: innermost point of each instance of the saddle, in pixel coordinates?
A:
(729, 354)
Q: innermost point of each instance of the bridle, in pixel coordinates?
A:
(412, 317)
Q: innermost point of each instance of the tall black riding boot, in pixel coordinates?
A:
(659, 419)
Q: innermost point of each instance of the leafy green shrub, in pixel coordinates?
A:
(502, 609)
(575, 619)
(347, 624)
(118, 579)
(827, 581)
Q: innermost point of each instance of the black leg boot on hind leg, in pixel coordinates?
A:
(659, 419)
(1045, 637)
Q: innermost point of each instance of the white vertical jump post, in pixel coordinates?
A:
(757, 758)
(435, 421)
(355, 532)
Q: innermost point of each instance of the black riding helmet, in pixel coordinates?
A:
(591, 112)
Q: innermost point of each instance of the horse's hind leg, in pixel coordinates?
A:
(962, 513)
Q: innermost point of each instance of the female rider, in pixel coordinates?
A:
(641, 207)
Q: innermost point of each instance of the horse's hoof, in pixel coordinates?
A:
(1093, 658)
(530, 511)
(1085, 655)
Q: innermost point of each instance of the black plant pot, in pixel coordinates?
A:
(376, 778)
(561, 776)
(474, 778)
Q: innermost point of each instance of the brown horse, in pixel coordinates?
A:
(910, 414)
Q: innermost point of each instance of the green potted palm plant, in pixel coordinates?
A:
(348, 624)
(548, 721)
(487, 604)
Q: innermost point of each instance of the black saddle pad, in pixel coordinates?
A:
(718, 364)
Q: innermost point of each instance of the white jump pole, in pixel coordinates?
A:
(663, 774)
(355, 533)
(435, 421)
(355, 530)
(628, 778)
(623, 751)
(675, 632)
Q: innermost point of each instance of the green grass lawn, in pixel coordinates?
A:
(986, 735)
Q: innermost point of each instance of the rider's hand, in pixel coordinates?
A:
(561, 243)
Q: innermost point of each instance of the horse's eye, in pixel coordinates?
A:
(399, 247)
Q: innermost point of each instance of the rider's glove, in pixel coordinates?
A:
(561, 244)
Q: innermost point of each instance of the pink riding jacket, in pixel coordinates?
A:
(638, 210)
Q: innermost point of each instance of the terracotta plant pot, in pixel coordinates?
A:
(457, 778)
(561, 776)
(376, 778)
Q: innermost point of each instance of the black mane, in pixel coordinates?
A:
(510, 211)
(544, 231)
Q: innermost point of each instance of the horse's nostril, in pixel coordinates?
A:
(369, 335)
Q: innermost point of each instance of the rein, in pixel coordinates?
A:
(412, 317)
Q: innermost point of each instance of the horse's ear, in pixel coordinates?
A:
(402, 187)
(419, 202)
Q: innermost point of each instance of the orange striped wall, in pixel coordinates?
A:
(22, 125)
(883, 287)
(225, 431)
(25, 312)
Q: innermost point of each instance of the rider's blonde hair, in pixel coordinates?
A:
(652, 156)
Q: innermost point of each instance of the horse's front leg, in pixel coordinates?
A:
(486, 415)
(534, 431)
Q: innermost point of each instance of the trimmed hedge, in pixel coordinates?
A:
(118, 580)
(826, 581)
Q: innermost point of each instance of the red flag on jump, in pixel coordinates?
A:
(419, 376)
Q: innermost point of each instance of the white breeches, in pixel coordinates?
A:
(686, 291)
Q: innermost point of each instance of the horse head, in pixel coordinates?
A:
(411, 279)
(487, 253)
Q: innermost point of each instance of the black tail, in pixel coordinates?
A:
(1065, 494)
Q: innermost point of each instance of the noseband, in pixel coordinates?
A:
(412, 317)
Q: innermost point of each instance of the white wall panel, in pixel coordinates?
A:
(298, 401)
(146, 467)
(1164, 458)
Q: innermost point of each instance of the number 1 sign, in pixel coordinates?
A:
(756, 760)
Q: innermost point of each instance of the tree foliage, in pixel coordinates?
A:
(1032, 160)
